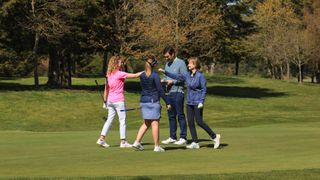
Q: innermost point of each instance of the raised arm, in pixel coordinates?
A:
(134, 75)
(179, 77)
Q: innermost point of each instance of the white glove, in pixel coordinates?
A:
(104, 106)
(200, 105)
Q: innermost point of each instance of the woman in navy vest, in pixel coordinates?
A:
(150, 104)
(196, 93)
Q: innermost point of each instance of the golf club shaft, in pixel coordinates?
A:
(129, 109)
(99, 91)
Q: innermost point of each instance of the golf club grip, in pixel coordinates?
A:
(99, 90)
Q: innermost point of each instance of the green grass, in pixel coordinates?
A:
(270, 130)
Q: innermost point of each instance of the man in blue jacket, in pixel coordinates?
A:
(176, 97)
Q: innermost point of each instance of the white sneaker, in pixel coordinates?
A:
(125, 144)
(168, 141)
(158, 149)
(102, 143)
(181, 141)
(216, 141)
(137, 145)
(193, 145)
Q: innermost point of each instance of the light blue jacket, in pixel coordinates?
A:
(177, 66)
(196, 86)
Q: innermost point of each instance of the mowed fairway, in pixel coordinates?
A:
(270, 130)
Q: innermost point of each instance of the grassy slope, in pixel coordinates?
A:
(231, 102)
(266, 125)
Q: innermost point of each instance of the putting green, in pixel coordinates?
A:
(75, 154)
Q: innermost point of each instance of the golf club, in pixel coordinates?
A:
(104, 118)
(122, 110)
(129, 109)
(99, 91)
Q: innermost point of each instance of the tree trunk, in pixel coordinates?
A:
(54, 71)
(74, 64)
(69, 59)
(105, 63)
(300, 73)
(35, 48)
(318, 72)
(35, 60)
(211, 67)
(281, 72)
(237, 67)
(288, 70)
(273, 73)
(63, 79)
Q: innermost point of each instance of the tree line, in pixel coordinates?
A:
(276, 38)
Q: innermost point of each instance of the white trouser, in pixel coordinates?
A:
(114, 108)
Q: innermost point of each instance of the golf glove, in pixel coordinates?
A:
(200, 105)
(104, 106)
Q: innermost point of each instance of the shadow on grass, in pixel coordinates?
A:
(19, 87)
(176, 147)
(8, 78)
(223, 80)
(6, 86)
(222, 146)
(243, 92)
(134, 87)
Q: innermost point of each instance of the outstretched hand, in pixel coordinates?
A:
(168, 107)
(161, 70)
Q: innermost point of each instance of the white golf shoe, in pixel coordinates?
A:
(193, 145)
(102, 143)
(125, 144)
(181, 141)
(158, 149)
(216, 141)
(137, 145)
(168, 141)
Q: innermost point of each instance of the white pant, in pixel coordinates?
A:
(112, 109)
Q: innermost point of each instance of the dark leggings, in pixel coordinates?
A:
(193, 113)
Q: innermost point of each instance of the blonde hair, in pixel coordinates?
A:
(195, 61)
(147, 66)
(113, 64)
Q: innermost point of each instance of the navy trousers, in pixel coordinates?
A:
(176, 113)
(193, 113)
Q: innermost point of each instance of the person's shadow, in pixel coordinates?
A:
(211, 145)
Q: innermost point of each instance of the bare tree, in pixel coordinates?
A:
(189, 26)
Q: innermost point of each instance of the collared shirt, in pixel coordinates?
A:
(177, 66)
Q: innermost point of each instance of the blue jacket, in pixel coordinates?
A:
(151, 88)
(196, 86)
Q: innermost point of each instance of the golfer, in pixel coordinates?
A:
(114, 100)
(176, 97)
(150, 104)
(196, 92)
